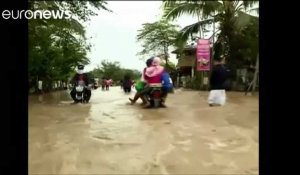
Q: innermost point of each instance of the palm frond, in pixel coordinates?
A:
(194, 28)
(249, 3)
(179, 43)
(243, 19)
(210, 7)
(168, 3)
(203, 8)
(256, 10)
(174, 11)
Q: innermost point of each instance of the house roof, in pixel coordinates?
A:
(192, 47)
(186, 48)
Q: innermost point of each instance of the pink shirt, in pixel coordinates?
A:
(153, 74)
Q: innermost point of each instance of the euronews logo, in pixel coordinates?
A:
(37, 14)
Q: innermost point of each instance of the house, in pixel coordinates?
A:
(186, 67)
(186, 61)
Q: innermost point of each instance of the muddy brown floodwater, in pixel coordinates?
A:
(109, 136)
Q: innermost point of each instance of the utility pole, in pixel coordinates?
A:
(212, 49)
(252, 85)
(255, 73)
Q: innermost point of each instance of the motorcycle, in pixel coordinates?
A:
(80, 94)
(155, 97)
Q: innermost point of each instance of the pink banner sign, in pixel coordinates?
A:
(203, 55)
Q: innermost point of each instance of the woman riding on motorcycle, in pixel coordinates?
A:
(153, 77)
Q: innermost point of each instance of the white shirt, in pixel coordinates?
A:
(40, 84)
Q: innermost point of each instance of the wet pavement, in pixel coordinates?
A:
(109, 136)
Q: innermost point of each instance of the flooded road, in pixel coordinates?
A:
(109, 136)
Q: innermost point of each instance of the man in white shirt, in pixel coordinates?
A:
(40, 86)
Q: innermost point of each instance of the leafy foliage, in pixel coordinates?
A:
(56, 46)
(235, 25)
(157, 37)
(113, 70)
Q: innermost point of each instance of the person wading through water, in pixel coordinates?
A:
(219, 75)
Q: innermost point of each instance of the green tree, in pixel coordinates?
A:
(57, 46)
(232, 17)
(169, 67)
(114, 71)
(97, 72)
(111, 69)
(157, 37)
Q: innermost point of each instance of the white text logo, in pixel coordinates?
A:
(37, 14)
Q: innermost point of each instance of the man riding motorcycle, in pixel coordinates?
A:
(81, 76)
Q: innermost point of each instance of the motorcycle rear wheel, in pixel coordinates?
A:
(156, 103)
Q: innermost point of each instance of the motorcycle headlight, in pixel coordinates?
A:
(79, 88)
